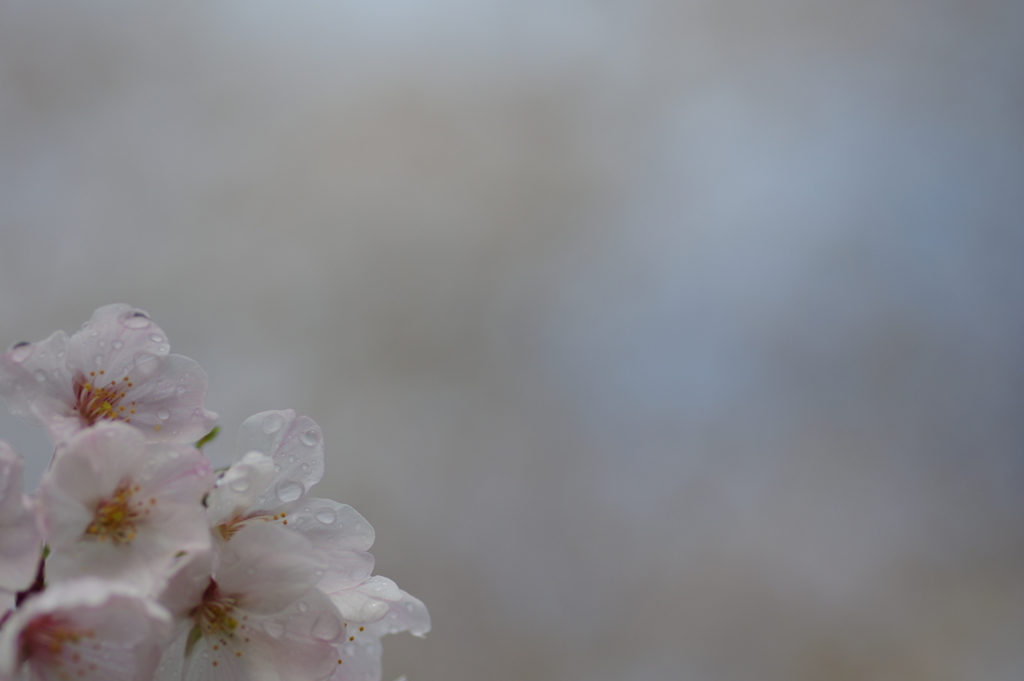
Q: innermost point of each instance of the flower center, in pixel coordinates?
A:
(47, 636)
(95, 402)
(116, 517)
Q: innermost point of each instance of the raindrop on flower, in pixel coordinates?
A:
(289, 490)
(274, 628)
(117, 345)
(156, 338)
(303, 606)
(163, 414)
(137, 321)
(21, 351)
(180, 390)
(310, 438)
(40, 375)
(98, 360)
(272, 423)
(326, 515)
(239, 484)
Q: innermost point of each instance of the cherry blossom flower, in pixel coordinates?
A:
(20, 535)
(118, 507)
(279, 456)
(117, 367)
(249, 611)
(88, 629)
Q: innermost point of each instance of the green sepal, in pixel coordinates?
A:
(206, 439)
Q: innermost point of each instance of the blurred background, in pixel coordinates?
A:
(658, 340)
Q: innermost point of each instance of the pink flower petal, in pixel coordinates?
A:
(295, 443)
(20, 535)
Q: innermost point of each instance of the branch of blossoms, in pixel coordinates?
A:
(134, 561)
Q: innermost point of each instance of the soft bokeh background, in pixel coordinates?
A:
(659, 340)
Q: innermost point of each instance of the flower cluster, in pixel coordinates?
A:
(134, 560)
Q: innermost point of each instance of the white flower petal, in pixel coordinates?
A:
(295, 443)
(20, 535)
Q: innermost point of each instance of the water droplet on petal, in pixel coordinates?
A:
(98, 360)
(326, 515)
(289, 490)
(164, 349)
(291, 458)
(40, 375)
(350, 648)
(155, 337)
(117, 345)
(102, 343)
(21, 351)
(239, 484)
(410, 607)
(139, 320)
(326, 628)
(173, 454)
(272, 423)
(310, 438)
(303, 606)
(146, 364)
(180, 390)
(274, 628)
(305, 466)
(163, 414)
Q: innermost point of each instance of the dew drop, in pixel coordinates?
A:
(173, 454)
(274, 628)
(21, 351)
(102, 343)
(239, 484)
(326, 515)
(163, 414)
(326, 627)
(289, 490)
(410, 607)
(310, 438)
(117, 345)
(40, 375)
(272, 423)
(277, 468)
(291, 458)
(155, 337)
(139, 320)
(350, 649)
(180, 390)
(98, 360)
(164, 349)
(303, 606)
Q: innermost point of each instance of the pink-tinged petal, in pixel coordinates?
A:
(38, 387)
(295, 644)
(295, 443)
(382, 607)
(88, 629)
(119, 507)
(116, 367)
(187, 580)
(239, 488)
(359, 659)
(328, 523)
(21, 540)
(169, 406)
(267, 568)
